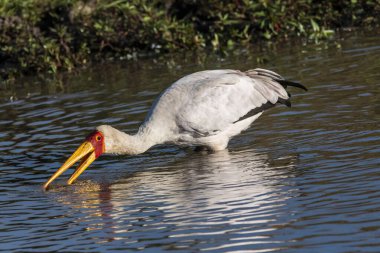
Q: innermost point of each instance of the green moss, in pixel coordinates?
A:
(60, 35)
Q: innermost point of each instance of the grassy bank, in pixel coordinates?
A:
(61, 35)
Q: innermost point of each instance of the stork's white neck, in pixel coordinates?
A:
(117, 142)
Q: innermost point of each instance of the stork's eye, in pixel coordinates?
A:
(98, 138)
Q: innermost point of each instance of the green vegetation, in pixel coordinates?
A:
(60, 35)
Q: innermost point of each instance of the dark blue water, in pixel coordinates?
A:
(304, 179)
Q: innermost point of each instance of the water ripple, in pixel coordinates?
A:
(299, 180)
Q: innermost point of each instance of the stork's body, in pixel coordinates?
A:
(205, 108)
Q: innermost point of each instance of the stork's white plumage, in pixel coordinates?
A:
(205, 109)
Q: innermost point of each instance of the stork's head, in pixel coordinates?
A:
(91, 148)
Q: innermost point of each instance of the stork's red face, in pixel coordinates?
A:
(90, 149)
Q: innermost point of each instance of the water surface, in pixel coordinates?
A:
(304, 179)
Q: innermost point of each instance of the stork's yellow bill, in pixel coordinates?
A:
(90, 149)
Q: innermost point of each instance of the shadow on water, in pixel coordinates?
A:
(303, 179)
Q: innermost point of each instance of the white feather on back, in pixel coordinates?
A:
(207, 102)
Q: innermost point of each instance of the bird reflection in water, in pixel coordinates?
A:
(240, 188)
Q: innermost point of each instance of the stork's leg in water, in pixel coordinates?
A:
(201, 149)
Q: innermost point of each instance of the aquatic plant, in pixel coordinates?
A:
(60, 35)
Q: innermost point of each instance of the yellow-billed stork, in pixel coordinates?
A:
(203, 109)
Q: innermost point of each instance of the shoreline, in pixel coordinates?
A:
(55, 37)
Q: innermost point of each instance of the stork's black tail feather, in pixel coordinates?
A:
(287, 83)
(274, 76)
(267, 77)
(285, 102)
